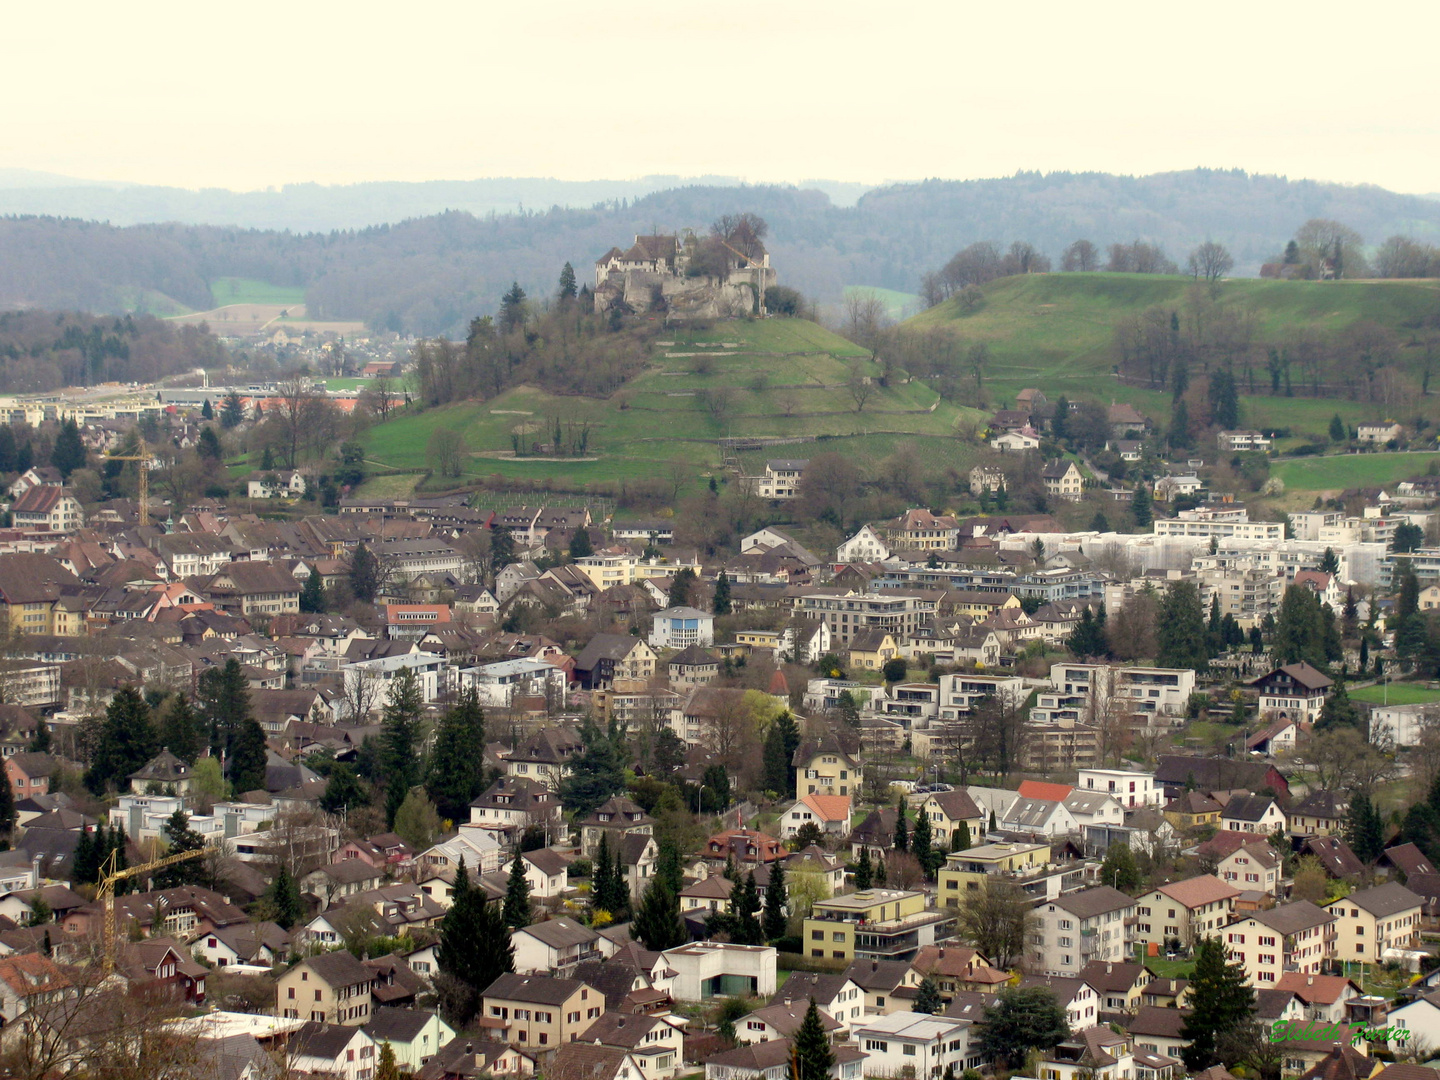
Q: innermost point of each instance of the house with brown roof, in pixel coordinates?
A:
(1320, 813)
(1120, 985)
(251, 589)
(1184, 911)
(1292, 692)
(1376, 923)
(48, 509)
(29, 980)
(615, 818)
(1335, 855)
(31, 588)
(539, 1011)
(1291, 937)
(332, 988)
(958, 969)
(1063, 480)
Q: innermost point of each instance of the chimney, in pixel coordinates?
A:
(469, 1048)
(1309, 980)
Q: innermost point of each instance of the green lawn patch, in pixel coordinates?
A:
(1396, 694)
(1350, 470)
(236, 290)
(898, 305)
(1165, 969)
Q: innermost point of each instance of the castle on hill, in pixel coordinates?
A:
(684, 277)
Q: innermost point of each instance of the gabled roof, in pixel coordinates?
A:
(828, 807)
(1335, 856)
(1383, 900)
(560, 933)
(1158, 1020)
(339, 968)
(1317, 989)
(1038, 789)
(1091, 902)
(1114, 978)
(541, 989)
(1293, 918)
(1248, 807)
(1199, 891)
(1325, 804)
(1408, 859)
(1303, 675)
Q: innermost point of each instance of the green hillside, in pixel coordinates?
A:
(1056, 331)
(236, 290)
(778, 378)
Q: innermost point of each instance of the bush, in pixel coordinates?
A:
(783, 300)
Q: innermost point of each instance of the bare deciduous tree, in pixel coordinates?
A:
(1080, 257)
(447, 451)
(860, 387)
(1210, 261)
(995, 918)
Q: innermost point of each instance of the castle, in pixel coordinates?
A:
(684, 277)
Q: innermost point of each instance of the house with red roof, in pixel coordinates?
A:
(830, 812)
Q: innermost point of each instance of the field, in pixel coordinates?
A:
(1056, 332)
(233, 290)
(1396, 694)
(1349, 470)
(786, 378)
(898, 305)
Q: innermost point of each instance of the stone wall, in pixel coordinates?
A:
(682, 297)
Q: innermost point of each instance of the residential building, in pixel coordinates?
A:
(33, 589)
(780, 480)
(1252, 814)
(343, 1051)
(552, 945)
(1383, 431)
(1184, 911)
(682, 627)
(967, 871)
(608, 657)
(616, 818)
(1298, 937)
(1093, 1053)
(948, 811)
(711, 969)
(1255, 867)
(655, 1043)
(1241, 441)
(251, 589)
(1293, 692)
(539, 1010)
(771, 1061)
(851, 614)
(1075, 929)
(332, 988)
(873, 924)
(916, 1044)
(48, 509)
(285, 484)
(1063, 480)
(1220, 523)
(416, 1035)
(830, 813)
(1375, 923)
(826, 767)
(1129, 789)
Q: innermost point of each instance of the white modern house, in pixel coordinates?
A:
(428, 668)
(681, 627)
(1130, 789)
(915, 1044)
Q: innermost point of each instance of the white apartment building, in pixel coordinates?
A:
(1070, 931)
(865, 546)
(915, 1044)
(961, 693)
(1129, 789)
(1151, 691)
(1246, 594)
(428, 668)
(1297, 937)
(852, 614)
(1220, 523)
(1404, 724)
(780, 480)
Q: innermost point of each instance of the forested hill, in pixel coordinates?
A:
(431, 274)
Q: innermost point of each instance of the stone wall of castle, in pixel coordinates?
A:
(682, 297)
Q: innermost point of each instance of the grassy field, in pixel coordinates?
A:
(1056, 332)
(785, 377)
(234, 290)
(1350, 470)
(1396, 694)
(899, 305)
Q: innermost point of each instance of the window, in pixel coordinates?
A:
(909, 1050)
(877, 1045)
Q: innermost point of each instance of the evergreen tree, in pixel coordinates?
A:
(512, 311)
(781, 742)
(232, 413)
(312, 596)
(181, 731)
(207, 412)
(208, 445)
(927, 997)
(474, 948)
(400, 740)
(1329, 562)
(745, 928)
(502, 550)
(864, 873)
(580, 546)
(1364, 829)
(567, 282)
(658, 925)
(1220, 1001)
(69, 452)
(85, 864)
(1180, 636)
(721, 604)
(180, 838)
(115, 856)
(40, 742)
(342, 790)
(1119, 870)
(1214, 627)
(247, 760)
(365, 576)
(920, 842)
(1024, 1019)
(1059, 423)
(127, 741)
(668, 867)
(1100, 523)
(1339, 711)
(517, 896)
(7, 449)
(1180, 426)
(457, 763)
(598, 771)
(880, 873)
(1421, 827)
(1224, 401)
(680, 587)
(24, 457)
(776, 899)
(814, 1059)
(282, 899)
(1300, 630)
(224, 697)
(386, 1067)
(1141, 507)
(1087, 639)
(902, 831)
(1337, 429)
(7, 808)
(960, 838)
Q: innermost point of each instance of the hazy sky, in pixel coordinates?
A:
(261, 93)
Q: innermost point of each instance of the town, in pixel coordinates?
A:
(307, 781)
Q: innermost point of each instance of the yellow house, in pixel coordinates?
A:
(32, 586)
(825, 767)
(1191, 810)
(948, 810)
(758, 639)
(879, 924)
(1372, 921)
(607, 568)
(967, 871)
(872, 650)
(980, 605)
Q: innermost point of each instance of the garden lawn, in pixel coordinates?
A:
(1350, 470)
(1396, 694)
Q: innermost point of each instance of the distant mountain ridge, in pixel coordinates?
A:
(432, 274)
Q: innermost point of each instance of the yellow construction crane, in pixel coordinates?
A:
(109, 875)
(144, 458)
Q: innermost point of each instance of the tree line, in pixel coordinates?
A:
(44, 350)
